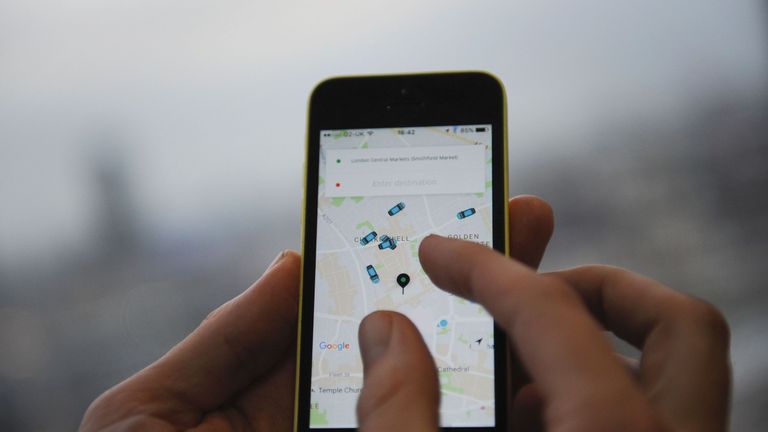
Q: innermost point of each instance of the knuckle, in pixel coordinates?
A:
(599, 269)
(214, 313)
(708, 319)
(554, 288)
(117, 405)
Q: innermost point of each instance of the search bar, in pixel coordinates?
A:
(405, 171)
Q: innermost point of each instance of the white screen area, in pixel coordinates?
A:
(381, 191)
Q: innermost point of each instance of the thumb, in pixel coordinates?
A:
(400, 390)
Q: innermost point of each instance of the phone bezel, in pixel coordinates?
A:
(435, 99)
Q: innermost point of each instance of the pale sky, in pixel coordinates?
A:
(206, 100)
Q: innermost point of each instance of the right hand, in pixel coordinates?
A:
(555, 324)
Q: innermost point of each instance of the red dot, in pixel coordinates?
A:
(338, 184)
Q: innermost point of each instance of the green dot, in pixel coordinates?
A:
(338, 160)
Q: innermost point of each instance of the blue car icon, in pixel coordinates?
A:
(387, 243)
(372, 273)
(396, 209)
(371, 236)
(466, 213)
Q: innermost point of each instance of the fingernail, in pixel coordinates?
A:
(375, 333)
(428, 237)
(276, 260)
(433, 237)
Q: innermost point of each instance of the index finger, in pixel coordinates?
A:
(562, 347)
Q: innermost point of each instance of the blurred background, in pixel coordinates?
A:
(151, 159)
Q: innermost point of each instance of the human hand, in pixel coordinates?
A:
(400, 375)
(234, 372)
(577, 382)
(219, 378)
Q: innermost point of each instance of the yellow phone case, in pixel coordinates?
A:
(304, 211)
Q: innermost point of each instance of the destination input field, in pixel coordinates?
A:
(405, 171)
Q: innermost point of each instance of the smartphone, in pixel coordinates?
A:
(391, 159)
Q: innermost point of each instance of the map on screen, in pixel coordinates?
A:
(381, 191)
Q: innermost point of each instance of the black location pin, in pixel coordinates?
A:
(402, 280)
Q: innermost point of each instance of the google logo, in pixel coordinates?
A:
(342, 346)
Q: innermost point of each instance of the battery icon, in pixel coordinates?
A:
(479, 129)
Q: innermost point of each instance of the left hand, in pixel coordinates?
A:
(234, 372)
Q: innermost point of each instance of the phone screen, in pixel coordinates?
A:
(380, 192)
